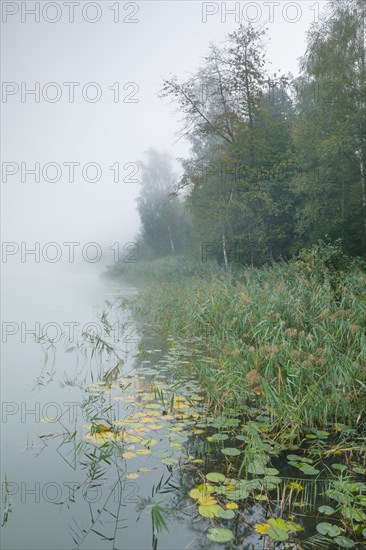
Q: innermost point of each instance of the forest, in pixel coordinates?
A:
(276, 162)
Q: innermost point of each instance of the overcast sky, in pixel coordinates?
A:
(167, 37)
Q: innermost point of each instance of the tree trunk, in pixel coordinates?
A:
(171, 241)
(224, 250)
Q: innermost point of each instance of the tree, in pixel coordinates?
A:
(330, 133)
(164, 224)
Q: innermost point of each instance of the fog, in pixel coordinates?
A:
(169, 37)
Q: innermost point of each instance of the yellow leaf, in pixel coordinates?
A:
(129, 454)
(102, 428)
(146, 419)
(144, 452)
(207, 500)
(133, 475)
(295, 485)
(231, 506)
(262, 528)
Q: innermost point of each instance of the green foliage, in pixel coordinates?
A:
(276, 165)
(276, 337)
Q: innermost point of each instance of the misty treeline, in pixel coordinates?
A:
(276, 163)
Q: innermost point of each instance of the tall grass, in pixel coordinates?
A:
(284, 338)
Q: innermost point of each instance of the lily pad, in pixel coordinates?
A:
(276, 533)
(220, 535)
(169, 461)
(226, 514)
(209, 511)
(327, 510)
(344, 542)
(220, 437)
(328, 529)
(215, 476)
(230, 451)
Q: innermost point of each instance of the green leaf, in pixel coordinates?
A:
(220, 437)
(276, 533)
(293, 458)
(230, 451)
(216, 477)
(257, 468)
(210, 511)
(355, 514)
(328, 529)
(344, 542)
(169, 461)
(220, 535)
(226, 514)
(327, 510)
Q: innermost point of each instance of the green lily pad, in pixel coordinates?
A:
(215, 477)
(327, 510)
(328, 529)
(220, 535)
(344, 542)
(226, 514)
(276, 533)
(210, 511)
(230, 451)
(308, 470)
(169, 461)
(220, 437)
(257, 468)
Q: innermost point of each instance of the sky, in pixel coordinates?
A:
(116, 55)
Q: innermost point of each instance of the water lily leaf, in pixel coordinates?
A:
(220, 437)
(257, 468)
(276, 533)
(169, 461)
(209, 511)
(230, 451)
(328, 529)
(271, 471)
(261, 497)
(236, 495)
(308, 470)
(220, 535)
(143, 452)
(327, 510)
(278, 523)
(207, 499)
(226, 514)
(344, 542)
(293, 458)
(231, 506)
(128, 454)
(162, 453)
(216, 477)
(150, 442)
(201, 490)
